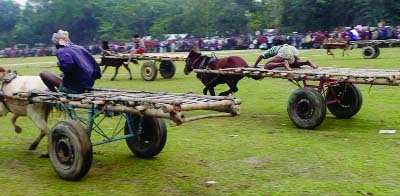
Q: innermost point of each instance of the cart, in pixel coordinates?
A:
(370, 48)
(320, 89)
(149, 68)
(139, 118)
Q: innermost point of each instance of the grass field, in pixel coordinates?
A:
(259, 152)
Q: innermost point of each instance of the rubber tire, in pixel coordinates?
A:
(377, 51)
(152, 139)
(306, 108)
(369, 52)
(149, 71)
(70, 150)
(350, 103)
(167, 69)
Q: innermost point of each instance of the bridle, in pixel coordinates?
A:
(203, 64)
(5, 80)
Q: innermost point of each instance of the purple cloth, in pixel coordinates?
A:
(79, 67)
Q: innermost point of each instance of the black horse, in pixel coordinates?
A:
(116, 62)
(196, 61)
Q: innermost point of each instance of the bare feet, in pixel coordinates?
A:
(313, 65)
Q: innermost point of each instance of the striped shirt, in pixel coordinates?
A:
(273, 51)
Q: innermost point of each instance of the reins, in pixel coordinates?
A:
(5, 80)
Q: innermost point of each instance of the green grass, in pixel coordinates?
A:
(259, 152)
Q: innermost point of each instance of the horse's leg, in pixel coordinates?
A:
(17, 128)
(104, 69)
(232, 87)
(329, 52)
(346, 50)
(40, 120)
(116, 72)
(211, 90)
(205, 89)
(129, 71)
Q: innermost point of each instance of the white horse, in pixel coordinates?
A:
(37, 112)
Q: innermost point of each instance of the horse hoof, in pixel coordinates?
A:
(130, 78)
(18, 129)
(44, 155)
(112, 79)
(33, 146)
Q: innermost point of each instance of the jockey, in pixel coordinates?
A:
(78, 66)
(282, 55)
(139, 47)
(106, 51)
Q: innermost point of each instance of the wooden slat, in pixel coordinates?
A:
(156, 104)
(358, 76)
(150, 56)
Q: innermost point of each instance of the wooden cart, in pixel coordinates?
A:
(149, 68)
(370, 48)
(322, 88)
(139, 118)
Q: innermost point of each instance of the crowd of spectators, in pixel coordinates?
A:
(259, 40)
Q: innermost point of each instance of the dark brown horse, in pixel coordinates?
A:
(196, 61)
(112, 61)
(108, 58)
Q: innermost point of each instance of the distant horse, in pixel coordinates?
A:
(196, 61)
(113, 61)
(37, 112)
(337, 43)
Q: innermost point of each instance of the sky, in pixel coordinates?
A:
(21, 2)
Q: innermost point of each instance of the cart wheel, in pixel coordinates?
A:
(377, 51)
(167, 69)
(149, 71)
(370, 52)
(70, 150)
(348, 100)
(306, 108)
(151, 140)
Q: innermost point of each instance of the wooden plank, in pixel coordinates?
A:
(156, 104)
(358, 76)
(150, 56)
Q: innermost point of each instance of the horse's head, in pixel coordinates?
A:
(3, 73)
(191, 61)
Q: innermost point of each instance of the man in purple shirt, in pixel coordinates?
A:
(78, 66)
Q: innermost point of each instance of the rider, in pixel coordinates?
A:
(283, 55)
(139, 47)
(78, 66)
(106, 50)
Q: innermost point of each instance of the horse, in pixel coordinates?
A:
(117, 63)
(337, 43)
(38, 112)
(195, 60)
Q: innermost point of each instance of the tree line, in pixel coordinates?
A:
(90, 21)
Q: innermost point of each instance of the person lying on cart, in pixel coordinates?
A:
(283, 55)
(139, 48)
(79, 68)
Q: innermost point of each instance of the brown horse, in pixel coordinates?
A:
(336, 43)
(196, 61)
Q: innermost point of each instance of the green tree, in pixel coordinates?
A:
(9, 13)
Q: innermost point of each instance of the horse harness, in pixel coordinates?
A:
(207, 63)
(7, 79)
